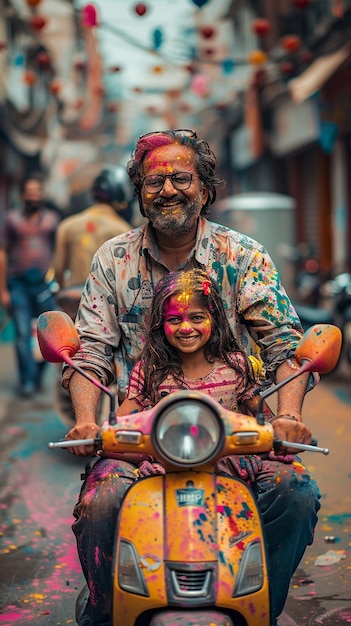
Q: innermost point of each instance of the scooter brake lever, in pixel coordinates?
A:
(303, 447)
(72, 443)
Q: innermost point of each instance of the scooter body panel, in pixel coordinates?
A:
(182, 525)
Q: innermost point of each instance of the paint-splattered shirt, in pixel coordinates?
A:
(118, 295)
(228, 386)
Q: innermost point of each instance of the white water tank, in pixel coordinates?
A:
(267, 217)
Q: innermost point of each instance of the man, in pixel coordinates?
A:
(26, 247)
(77, 238)
(80, 235)
(173, 173)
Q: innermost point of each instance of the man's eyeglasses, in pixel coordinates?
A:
(186, 132)
(180, 181)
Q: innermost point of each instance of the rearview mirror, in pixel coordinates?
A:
(319, 348)
(57, 336)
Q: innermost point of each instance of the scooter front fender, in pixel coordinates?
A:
(185, 523)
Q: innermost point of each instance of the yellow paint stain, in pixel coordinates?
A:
(38, 597)
(339, 431)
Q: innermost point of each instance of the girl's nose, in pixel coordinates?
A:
(185, 327)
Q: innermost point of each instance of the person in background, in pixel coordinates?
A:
(26, 247)
(173, 172)
(79, 236)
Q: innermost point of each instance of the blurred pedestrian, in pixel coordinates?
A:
(80, 235)
(26, 248)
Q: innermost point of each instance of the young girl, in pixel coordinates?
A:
(189, 345)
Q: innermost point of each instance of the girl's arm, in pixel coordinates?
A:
(128, 406)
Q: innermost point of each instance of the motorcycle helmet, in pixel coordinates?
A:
(113, 186)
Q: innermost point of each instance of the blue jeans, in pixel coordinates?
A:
(28, 301)
(287, 497)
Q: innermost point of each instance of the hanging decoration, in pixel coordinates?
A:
(29, 78)
(207, 31)
(259, 77)
(89, 16)
(55, 87)
(261, 26)
(43, 60)
(290, 43)
(140, 9)
(257, 57)
(200, 3)
(305, 56)
(287, 68)
(33, 3)
(157, 38)
(199, 85)
(302, 4)
(158, 69)
(228, 66)
(37, 22)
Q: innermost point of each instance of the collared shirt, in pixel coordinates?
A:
(118, 294)
(79, 236)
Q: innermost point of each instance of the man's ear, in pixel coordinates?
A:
(205, 194)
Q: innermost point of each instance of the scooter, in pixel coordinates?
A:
(200, 558)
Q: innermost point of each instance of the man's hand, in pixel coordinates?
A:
(289, 428)
(87, 430)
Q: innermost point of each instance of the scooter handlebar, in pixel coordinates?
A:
(72, 443)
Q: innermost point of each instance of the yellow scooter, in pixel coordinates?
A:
(189, 545)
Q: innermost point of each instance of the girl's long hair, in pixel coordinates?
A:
(159, 359)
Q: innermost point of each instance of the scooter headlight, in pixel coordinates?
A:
(188, 432)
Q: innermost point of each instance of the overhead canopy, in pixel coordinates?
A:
(317, 74)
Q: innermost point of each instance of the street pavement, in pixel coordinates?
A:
(39, 570)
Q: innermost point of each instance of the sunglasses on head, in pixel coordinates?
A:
(185, 132)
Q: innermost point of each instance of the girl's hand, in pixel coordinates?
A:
(150, 469)
(86, 430)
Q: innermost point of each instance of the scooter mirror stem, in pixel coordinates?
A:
(112, 415)
(305, 367)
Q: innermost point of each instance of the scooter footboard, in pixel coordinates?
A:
(200, 618)
(190, 540)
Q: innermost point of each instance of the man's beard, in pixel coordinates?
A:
(178, 221)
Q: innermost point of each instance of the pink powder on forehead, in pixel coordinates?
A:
(151, 142)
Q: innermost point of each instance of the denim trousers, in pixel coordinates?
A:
(28, 301)
(287, 497)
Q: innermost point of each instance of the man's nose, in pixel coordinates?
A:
(167, 187)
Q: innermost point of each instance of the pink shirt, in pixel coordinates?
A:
(224, 384)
